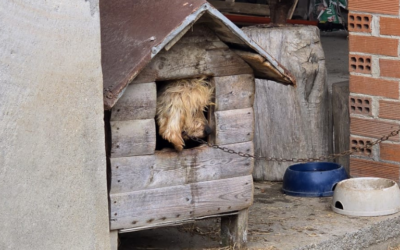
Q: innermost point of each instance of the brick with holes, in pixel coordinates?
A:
(360, 64)
(359, 22)
(360, 105)
(358, 142)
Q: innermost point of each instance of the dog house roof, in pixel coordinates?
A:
(133, 32)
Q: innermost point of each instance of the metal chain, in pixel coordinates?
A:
(321, 158)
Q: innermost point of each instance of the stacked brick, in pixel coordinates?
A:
(374, 103)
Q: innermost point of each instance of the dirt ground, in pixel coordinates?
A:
(276, 221)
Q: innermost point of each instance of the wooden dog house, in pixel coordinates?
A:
(143, 44)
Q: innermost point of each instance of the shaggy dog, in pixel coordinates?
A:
(180, 107)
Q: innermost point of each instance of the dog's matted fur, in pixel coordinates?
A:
(180, 107)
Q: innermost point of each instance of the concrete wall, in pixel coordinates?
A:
(52, 156)
(374, 86)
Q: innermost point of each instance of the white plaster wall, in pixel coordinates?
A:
(52, 156)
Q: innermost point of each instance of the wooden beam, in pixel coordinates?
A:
(292, 9)
(129, 138)
(241, 8)
(341, 121)
(164, 205)
(164, 169)
(234, 92)
(234, 126)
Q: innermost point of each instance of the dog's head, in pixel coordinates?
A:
(180, 109)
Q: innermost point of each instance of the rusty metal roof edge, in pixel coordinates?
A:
(211, 10)
(207, 7)
(192, 18)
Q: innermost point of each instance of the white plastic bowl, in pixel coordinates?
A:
(366, 197)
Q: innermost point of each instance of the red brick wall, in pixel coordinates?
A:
(374, 101)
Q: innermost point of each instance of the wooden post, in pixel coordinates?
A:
(114, 239)
(292, 9)
(234, 229)
(341, 121)
(291, 122)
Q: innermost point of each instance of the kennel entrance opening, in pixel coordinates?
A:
(189, 101)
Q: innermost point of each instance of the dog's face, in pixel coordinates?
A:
(180, 109)
(196, 126)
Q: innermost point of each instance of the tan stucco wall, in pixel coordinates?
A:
(52, 156)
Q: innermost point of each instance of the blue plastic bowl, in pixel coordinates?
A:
(314, 179)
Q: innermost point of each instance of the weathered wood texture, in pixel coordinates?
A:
(234, 92)
(241, 8)
(264, 69)
(177, 203)
(341, 121)
(194, 55)
(114, 240)
(136, 137)
(291, 122)
(139, 101)
(210, 114)
(234, 229)
(233, 126)
(169, 168)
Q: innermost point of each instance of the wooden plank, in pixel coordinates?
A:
(139, 101)
(136, 137)
(234, 92)
(263, 68)
(165, 168)
(199, 33)
(341, 121)
(176, 223)
(241, 8)
(226, 62)
(211, 116)
(173, 204)
(150, 207)
(131, 173)
(234, 126)
(188, 60)
(221, 196)
(234, 229)
(114, 240)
